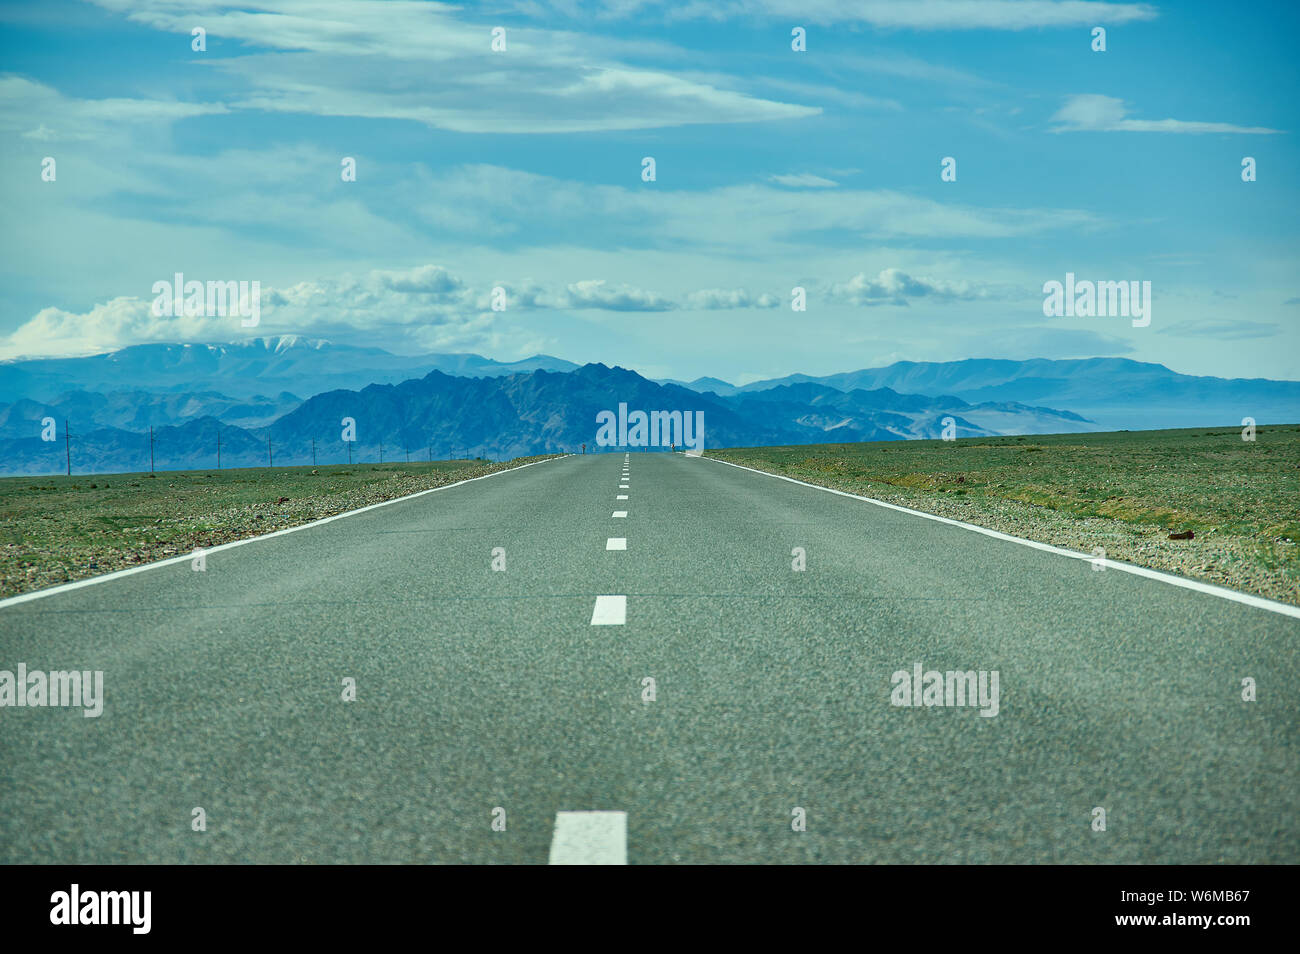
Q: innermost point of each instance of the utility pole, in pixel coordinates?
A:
(381, 452)
(408, 455)
(349, 443)
(218, 447)
(430, 453)
(67, 445)
(269, 457)
(313, 452)
(151, 449)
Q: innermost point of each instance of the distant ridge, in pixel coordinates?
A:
(1116, 393)
(244, 369)
(510, 415)
(276, 386)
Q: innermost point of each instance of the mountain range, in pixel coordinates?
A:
(441, 415)
(1116, 393)
(244, 370)
(466, 405)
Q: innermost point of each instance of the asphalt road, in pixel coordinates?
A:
(479, 690)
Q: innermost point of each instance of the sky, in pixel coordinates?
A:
(523, 168)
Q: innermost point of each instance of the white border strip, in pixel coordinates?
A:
(91, 581)
(1258, 602)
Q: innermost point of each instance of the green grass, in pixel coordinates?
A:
(1204, 480)
(56, 529)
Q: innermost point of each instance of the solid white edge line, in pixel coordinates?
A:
(91, 581)
(589, 838)
(1258, 602)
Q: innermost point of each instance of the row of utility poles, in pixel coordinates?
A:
(270, 455)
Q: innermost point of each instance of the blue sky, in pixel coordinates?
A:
(775, 169)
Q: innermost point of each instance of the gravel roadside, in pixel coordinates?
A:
(71, 546)
(1249, 564)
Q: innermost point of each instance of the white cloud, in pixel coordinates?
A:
(1224, 330)
(720, 299)
(823, 93)
(406, 310)
(597, 293)
(36, 111)
(106, 327)
(413, 309)
(897, 14)
(425, 63)
(41, 133)
(525, 294)
(1094, 113)
(754, 220)
(432, 281)
(895, 287)
(803, 180)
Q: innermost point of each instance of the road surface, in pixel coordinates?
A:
(489, 699)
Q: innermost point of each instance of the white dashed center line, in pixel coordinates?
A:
(621, 497)
(589, 838)
(609, 611)
(616, 543)
(618, 514)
